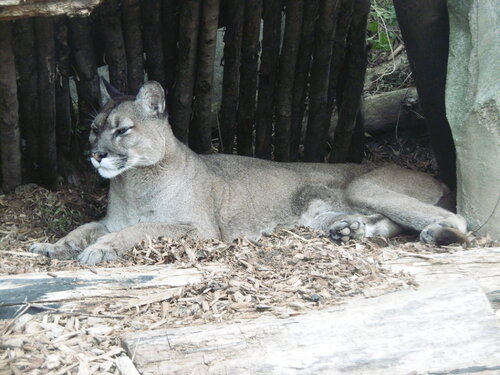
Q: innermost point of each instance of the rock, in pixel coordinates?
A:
(473, 110)
(401, 108)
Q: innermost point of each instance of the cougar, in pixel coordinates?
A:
(159, 187)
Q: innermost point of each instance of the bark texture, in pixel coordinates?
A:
(153, 43)
(351, 96)
(317, 125)
(200, 135)
(9, 121)
(114, 45)
(300, 86)
(132, 32)
(231, 76)
(268, 75)
(87, 80)
(288, 62)
(44, 31)
(64, 122)
(248, 87)
(186, 68)
(338, 66)
(170, 27)
(27, 89)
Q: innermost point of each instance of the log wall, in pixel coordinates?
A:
(288, 66)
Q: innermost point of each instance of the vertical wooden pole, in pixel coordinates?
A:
(339, 66)
(200, 134)
(316, 136)
(300, 87)
(24, 40)
(87, 80)
(186, 68)
(131, 20)
(351, 97)
(9, 122)
(153, 42)
(44, 32)
(114, 45)
(337, 71)
(288, 62)
(357, 146)
(170, 26)
(271, 42)
(231, 76)
(248, 83)
(64, 121)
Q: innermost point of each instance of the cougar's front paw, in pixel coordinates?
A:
(97, 253)
(52, 250)
(347, 229)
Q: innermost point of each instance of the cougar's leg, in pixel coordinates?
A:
(115, 244)
(73, 243)
(435, 224)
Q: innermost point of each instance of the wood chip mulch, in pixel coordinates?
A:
(287, 273)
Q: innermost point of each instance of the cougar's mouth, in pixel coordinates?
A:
(110, 167)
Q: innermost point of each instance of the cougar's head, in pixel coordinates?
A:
(129, 132)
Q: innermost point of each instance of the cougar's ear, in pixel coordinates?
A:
(151, 97)
(108, 92)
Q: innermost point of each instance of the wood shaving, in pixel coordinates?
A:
(286, 273)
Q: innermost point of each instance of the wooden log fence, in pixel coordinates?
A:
(287, 67)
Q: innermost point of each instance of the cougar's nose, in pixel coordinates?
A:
(98, 155)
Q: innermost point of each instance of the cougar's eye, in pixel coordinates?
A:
(122, 131)
(93, 129)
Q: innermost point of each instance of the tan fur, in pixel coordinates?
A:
(159, 187)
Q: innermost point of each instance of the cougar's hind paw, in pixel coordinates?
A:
(441, 235)
(347, 229)
(96, 254)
